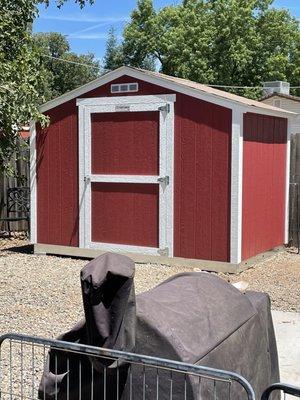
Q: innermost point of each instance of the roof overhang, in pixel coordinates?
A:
(281, 96)
(219, 98)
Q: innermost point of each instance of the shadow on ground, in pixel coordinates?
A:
(24, 249)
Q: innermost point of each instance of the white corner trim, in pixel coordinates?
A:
(287, 182)
(33, 184)
(236, 186)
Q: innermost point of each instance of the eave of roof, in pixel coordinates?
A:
(281, 95)
(185, 86)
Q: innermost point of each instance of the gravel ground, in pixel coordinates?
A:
(278, 276)
(41, 295)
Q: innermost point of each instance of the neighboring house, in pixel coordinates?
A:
(25, 132)
(278, 95)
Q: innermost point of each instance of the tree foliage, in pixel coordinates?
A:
(59, 3)
(65, 70)
(23, 77)
(114, 53)
(228, 42)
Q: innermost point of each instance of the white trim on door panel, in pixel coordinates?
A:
(104, 101)
(124, 178)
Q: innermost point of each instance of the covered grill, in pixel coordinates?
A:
(196, 318)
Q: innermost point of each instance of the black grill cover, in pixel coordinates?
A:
(196, 318)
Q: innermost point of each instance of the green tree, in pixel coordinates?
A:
(114, 53)
(65, 70)
(227, 42)
(22, 74)
(138, 46)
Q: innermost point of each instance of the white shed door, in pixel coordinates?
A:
(126, 173)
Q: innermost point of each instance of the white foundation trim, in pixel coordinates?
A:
(164, 104)
(236, 186)
(33, 188)
(287, 181)
(119, 248)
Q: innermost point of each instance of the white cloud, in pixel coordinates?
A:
(84, 18)
(90, 28)
(89, 36)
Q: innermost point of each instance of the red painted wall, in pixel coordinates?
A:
(202, 175)
(202, 180)
(125, 143)
(57, 179)
(136, 224)
(263, 183)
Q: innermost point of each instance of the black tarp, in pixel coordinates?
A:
(196, 318)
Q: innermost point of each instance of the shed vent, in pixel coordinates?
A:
(277, 103)
(124, 87)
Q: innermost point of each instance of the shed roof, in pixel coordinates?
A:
(185, 86)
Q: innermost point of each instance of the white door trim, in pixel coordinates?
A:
(165, 105)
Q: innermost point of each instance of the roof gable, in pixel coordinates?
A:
(282, 96)
(180, 85)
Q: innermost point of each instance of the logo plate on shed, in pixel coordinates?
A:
(122, 107)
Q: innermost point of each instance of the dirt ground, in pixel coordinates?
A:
(41, 295)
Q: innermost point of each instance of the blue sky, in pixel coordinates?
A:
(87, 29)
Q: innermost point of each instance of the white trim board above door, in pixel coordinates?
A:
(164, 104)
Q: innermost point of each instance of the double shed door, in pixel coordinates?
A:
(126, 151)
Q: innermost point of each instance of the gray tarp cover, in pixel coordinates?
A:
(193, 317)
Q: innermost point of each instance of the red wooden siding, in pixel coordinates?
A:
(202, 180)
(57, 180)
(125, 143)
(125, 213)
(202, 174)
(263, 183)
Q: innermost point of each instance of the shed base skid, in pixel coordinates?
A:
(205, 265)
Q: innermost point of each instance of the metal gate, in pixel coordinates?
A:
(22, 360)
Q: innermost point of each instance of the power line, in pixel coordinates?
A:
(208, 84)
(71, 62)
(247, 87)
(234, 87)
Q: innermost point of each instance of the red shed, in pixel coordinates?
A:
(144, 163)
